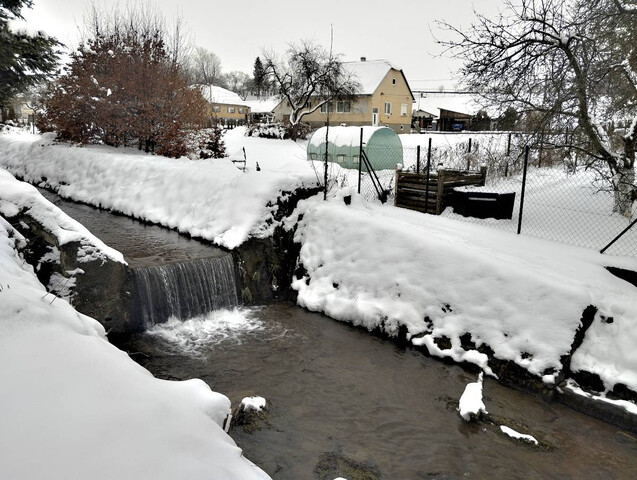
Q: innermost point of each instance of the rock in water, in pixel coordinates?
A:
(471, 406)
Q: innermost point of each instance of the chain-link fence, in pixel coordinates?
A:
(556, 197)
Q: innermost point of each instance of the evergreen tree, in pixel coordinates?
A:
(259, 75)
(25, 59)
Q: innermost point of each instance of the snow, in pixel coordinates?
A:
(367, 264)
(630, 407)
(265, 105)
(379, 266)
(456, 102)
(369, 74)
(471, 404)
(518, 436)
(253, 403)
(343, 136)
(17, 197)
(74, 406)
(211, 199)
(216, 94)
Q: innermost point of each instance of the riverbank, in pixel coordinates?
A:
(523, 309)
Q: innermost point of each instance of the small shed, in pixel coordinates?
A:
(381, 145)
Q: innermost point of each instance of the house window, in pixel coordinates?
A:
(324, 107)
(343, 107)
(230, 109)
(403, 110)
(241, 110)
(216, 109)
(340, 158)
(393, 81)
(387, 108)
(355, 160)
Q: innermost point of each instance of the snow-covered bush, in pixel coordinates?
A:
(123, 87)
(206, 143)
(269, 130)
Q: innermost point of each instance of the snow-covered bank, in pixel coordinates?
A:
(211, 199)
(382, 266)
(18, 197)
(74, 406)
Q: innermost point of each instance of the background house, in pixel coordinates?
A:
(444, 111)
(225, 107)
(384, 99)
(261, 110)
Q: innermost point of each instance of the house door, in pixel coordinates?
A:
(374, 117)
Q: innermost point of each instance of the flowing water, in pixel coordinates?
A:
(345, 403)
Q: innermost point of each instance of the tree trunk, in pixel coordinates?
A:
(624, 180)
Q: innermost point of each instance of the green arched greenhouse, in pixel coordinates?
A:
(381, 145)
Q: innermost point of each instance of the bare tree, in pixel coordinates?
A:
(204, 67)
(574, 64)
(239, 83)
(309, 78)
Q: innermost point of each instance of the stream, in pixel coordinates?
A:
(342, 402)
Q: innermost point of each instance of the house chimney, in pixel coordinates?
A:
(363, 59)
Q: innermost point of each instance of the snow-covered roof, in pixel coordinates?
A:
(456, 102)
(344, 136)
(369, 73)
(265, 105)
(216, 94)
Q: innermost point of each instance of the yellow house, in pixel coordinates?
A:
(225, 107)
(384, 99)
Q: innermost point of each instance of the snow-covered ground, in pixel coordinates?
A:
(74, 406)
(211, 199)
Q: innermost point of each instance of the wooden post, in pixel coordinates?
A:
(428, 170)
(440, 191)
(483, 176)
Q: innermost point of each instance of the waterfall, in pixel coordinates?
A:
(183, 290)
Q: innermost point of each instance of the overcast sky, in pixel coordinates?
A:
(239, 30)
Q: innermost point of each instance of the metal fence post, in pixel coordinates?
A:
(526, 164)
(428, 170)
(418, 159)
(632, 224)
(360, 161)
(468, 157)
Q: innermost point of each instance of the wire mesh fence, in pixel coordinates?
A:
(564, 200)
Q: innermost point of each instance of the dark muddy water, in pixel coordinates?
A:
(345, 403)
(338, 390)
